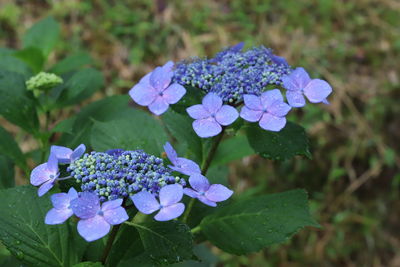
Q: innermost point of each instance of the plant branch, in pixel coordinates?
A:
(109, 244)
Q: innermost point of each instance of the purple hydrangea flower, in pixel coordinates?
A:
(298, 83)
(96, 220)
(45, 175)
(268, 109)
(182, 165)
(169, 207)
(156, 91)
(65, 155)
(62, 209)
(210, 115)
(206, 193)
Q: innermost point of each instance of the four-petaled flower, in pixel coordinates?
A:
(169, 207)
(298, 83)
(65, 155)
(182, 165)
(156, 91)
(268, 109)
(62, 208)
(96, 220)
(45, 175)
(210, 115)
(206, 193)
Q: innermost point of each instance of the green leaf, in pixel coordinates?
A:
(251, 224)
(24, 233)
(33, 57)
(88, 264)
(16, 105)
(72, 63)
(6, 172)
(13, 64)
(42, 35)
(232, 149)
(289, 142)
(166, 242)
(80, 86)
(192, 97)
(180, 127)
(10, 148)
(104, 110)
(134, 130)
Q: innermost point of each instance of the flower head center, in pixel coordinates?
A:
(100, 213)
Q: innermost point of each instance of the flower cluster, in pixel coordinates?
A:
(119, 174)
(233, 73)
(109, 179)
(234, 77)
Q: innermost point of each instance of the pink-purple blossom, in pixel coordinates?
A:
(299, 84)
(61, 210)
(269, 110)
(206, 193)
(156, 91)
(168, 206)
(182, 165)
(96, 219)
(211, 115)
(45, 175)
(65, 155)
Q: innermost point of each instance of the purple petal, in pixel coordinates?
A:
(111, 204)
(60, 200)
(167, 67)
(295, 99)
(78, 152)
(279, 109)
(44, 188)
(206, 127)
(279, 60)
(190, 192)
(253, 102)
(63, 154)
(186, 166)
(145, 202)
(171, 153)
(170, 212)
(317, 90)
(86, 205)
(115, 216)
(271, 97)
(93, 228)
(58, 216)
(160, 78)
(143, 94)
(237, 47)
(72, 194)
(40, 174)
(206, 201)
(297, 80)
(226, 115)
(271, 123)
(170, 194)
(218, 192)
(174, 93)
(159, 106)
(250, 115)
(146, 79)
(52, 164)
(212, 102)
(199, 183)
(198, 112)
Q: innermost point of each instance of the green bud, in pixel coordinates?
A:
(43, 81)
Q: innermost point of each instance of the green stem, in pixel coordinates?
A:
(196, 229)
(204, 169)
(110, 241)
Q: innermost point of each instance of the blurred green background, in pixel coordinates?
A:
(353, 179)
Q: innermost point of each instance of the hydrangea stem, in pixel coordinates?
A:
(204, 168)
(110, 241)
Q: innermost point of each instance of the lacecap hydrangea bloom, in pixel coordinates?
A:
(110, 179)
(230, 80)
